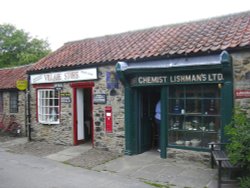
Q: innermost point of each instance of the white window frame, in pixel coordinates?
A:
(48, 106)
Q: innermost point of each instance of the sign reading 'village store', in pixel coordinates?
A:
(65, 76)
(173, 79)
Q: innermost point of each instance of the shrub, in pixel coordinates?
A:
(245, 182)
(238, 132)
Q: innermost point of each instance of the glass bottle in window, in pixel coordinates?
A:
(211, 109)
(177, 108)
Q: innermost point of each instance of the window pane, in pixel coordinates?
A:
(194, 115)
(48, 106)
(176, 92)
(193, 91)
(13, 102)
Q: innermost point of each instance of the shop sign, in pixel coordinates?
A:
(172, 79)
(65, 97)
(112, 80)
(21, 84)
(100, 98)
(58, 87)
(65, 76)
(240, 94)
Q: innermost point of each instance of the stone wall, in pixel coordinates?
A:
(241, 65)
(114, 141)
(57, 133)
(20, 115)
(63, 132)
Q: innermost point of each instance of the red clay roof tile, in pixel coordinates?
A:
(213, 34)
(9, 76)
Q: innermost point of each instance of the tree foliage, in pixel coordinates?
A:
(18, 48)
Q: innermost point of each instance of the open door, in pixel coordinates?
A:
(80, 114)
(82, 108)
(148, 98)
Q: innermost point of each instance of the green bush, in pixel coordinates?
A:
(238, 133)
(245, 182)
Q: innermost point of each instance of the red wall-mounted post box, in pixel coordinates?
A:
(108, 119)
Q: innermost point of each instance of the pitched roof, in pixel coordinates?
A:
(215, 34)
(9, 76)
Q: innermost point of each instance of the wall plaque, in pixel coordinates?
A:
(65, 97)
(240, 94)
(100, 99)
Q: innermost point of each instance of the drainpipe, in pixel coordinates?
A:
(28, 112)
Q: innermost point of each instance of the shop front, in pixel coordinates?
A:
(196, 95)
(63, 105)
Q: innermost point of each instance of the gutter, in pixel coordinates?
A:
(28, 111)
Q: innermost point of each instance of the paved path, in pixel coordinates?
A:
(174, 173)
(25, 171)
(168, 171)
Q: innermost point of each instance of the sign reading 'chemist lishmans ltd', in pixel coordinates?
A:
(65, 76)
(187, 78)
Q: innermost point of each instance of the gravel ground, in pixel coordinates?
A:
(37, 148)
(88, 159)
(5, 137)
(92, 158)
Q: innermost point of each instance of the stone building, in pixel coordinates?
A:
(105, 89)
(12, 100)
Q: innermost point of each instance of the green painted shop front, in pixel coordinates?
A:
(196, 95)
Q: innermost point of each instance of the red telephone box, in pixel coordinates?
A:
(108, 119)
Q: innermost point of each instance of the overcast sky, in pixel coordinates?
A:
(60, 21)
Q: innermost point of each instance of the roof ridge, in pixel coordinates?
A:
(16, 67)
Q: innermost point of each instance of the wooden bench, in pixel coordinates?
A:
(219, 156)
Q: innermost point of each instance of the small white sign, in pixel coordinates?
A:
(65, 76)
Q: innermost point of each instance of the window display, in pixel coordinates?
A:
(194, 115)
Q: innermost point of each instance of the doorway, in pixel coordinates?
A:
(82, 108)
(146, 127)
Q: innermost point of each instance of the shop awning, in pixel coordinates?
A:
(172, 63)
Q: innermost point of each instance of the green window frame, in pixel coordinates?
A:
(194, 115)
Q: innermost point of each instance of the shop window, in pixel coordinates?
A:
(48, 106)
(13, 102)
(194, 115)
(1, 102)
